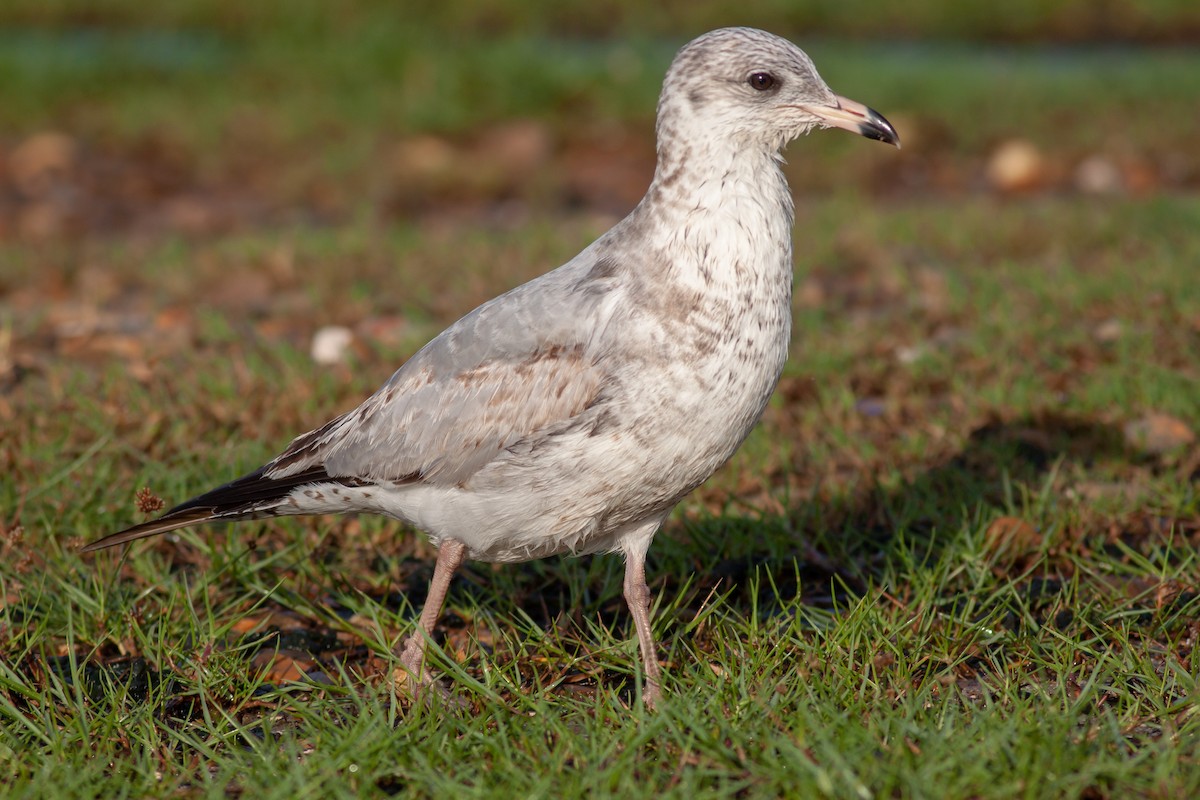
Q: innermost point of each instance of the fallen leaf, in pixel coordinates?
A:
(1016, 166)
(1157, 434)
(283, 667)
(39, 159)
(1012, 535)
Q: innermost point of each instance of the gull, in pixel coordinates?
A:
(571, 414)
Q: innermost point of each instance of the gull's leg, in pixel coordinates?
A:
(450, 556)
(637, 596)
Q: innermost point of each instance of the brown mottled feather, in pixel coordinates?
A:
(440, 428)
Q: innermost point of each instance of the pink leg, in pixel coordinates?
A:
(637, 596)
(450, 556)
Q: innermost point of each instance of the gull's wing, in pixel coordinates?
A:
(524, 364)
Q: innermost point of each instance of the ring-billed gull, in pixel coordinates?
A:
(572, 413)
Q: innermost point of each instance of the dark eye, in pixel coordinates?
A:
(762, 81)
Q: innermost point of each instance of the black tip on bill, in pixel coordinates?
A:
(876, 127)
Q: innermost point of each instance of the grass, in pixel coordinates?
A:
(941, 567)
(913, 655)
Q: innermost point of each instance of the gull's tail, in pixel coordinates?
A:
(250, 496)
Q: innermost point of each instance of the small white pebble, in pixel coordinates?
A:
(1098, 175)
(912, 354)
(1108, 331)
(329, 344)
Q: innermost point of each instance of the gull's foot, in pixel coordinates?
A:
(412, 677)
(651, 694)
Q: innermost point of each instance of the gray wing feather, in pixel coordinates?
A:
(526, 362)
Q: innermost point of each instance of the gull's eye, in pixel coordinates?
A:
(762, 81)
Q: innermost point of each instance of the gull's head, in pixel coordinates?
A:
(747, 88)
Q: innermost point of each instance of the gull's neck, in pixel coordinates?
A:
(728, 207)
(684, 177)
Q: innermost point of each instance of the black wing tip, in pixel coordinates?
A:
(170, 521)
(248, 496)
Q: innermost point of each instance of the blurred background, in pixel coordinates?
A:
(201, 117)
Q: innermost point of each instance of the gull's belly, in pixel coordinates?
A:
(576, 491)
(667, 430)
